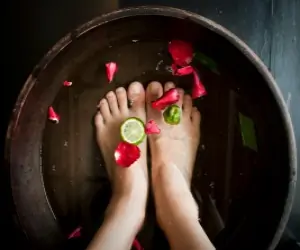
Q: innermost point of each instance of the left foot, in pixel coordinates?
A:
(113, 110)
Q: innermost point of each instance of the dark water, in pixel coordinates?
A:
(73, 169)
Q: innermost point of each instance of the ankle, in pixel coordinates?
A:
(170, 177)
(130, 183)
(172, 194)
(129, 206)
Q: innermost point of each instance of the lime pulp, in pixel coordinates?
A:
(172, 114)
(133, 130)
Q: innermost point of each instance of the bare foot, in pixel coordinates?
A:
(176, 145)
(113, 110)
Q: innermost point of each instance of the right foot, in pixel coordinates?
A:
(113, 110)
(176, 145)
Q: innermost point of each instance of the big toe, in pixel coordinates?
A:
(171, 85)
(136, 96)
(153, 92)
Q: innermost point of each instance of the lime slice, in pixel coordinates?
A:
(133, 130)
(172, 114)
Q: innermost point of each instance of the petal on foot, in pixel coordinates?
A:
(170, 97)
(151, 128)
(126, 154)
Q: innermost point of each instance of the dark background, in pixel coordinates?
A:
(270, 27)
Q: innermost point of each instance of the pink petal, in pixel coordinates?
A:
(136, 244)
(111, 69)
(187, 70)
(126, 154)
(170, 97)
(52, 115)
(76, 233)
(181, 52)
(151, 128)
(198, 88)
(67, 83)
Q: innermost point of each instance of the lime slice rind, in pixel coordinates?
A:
(132, 130)
(172, 115)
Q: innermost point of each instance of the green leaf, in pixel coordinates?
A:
(248, 132)
(207, 62)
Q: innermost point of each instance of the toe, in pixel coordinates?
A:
(181, 94)
(136, 96)
(122, 99)
(112, 102)
(196, 116)
(154, 91)
(187, 105)
(104, 109)
(168, 86)
(98, 119)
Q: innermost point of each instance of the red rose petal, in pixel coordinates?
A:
(174, 68)
(184, 71)
(181, 52)
(198, 88)
(151, 128)
(137, 245)
(126, 154)
(111, 69)
(170, 97)
(75, 234)
(52, 115)
(67, 83)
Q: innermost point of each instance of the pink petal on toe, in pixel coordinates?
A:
(126, 154)
(151, 128)
(76, 233)
(52, 115)
(198, 87)
(67, 83)
(170, 97)
(181, 52)
(111, 69)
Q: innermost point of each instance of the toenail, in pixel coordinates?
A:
(154, 87)
(103, 101)
(135, 88)
(110, 95)
(119, 90)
